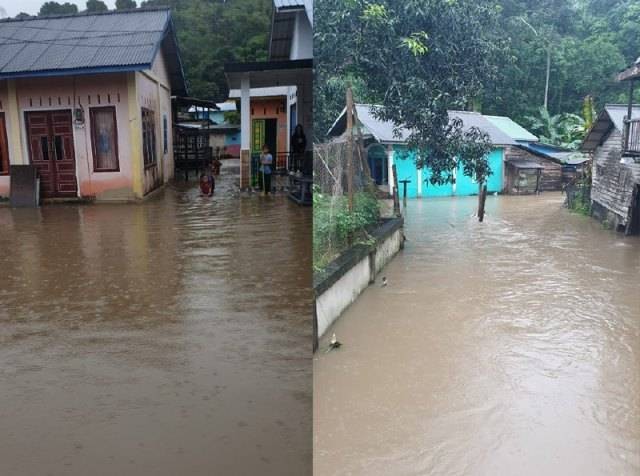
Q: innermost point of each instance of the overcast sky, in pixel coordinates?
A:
(13, 7)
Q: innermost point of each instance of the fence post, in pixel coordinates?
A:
(396, 199)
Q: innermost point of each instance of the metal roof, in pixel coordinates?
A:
(512, 128)
(557, 154)
(524, 164)
(283, 25)
(89, 43)
(611, 117)
(631, 73)
(386, 132)
(288, 3)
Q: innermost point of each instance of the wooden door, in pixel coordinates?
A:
(50, 135)
(4, 146)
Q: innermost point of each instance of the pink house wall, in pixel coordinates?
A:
(88, 91)
(154, 93)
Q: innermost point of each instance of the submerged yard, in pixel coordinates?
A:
(508, 347)
(170, 337)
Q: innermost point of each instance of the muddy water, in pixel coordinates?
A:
(166, 338)
(508, 348)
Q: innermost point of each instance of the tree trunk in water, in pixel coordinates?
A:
(482, 198)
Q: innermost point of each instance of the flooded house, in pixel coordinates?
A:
(385, 148)
(290, 66)
(86, 99)
(530, 166)
(614, 143)
(272, 121)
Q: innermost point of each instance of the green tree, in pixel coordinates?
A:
(125, 4)
(95, 6)
(586, 47)
(55, 8)
(417, 59)
(212, 33)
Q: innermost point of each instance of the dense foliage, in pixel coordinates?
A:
(417, 59)
(434, 51)
(335, 227)
(55, 8)
(210, 34)
(589, 42)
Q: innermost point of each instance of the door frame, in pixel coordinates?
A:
(633, 224)
(27, 146)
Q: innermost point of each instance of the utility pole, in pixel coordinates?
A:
(546, 85)
(548, 74)
(350, 147)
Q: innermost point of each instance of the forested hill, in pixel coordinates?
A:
(214, 32)
(210, 34)
(504, 54)
(589, 42)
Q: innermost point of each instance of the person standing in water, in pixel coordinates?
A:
(266, 161)
(298, 146)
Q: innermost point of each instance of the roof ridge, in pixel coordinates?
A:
(87, 14)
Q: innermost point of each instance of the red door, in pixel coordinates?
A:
(51, 151)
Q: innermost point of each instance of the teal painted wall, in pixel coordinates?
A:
(467, 186)
(406, 169)
(464, 186)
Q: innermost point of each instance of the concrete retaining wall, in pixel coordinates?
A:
(347, 276)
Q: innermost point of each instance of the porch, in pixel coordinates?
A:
(298, 104)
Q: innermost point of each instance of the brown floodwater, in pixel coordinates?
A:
(510, 347)
(171, 337)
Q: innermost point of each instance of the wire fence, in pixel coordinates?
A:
(345, 205)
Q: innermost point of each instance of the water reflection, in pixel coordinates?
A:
(171, 337)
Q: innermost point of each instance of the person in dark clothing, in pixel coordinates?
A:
(298, 146)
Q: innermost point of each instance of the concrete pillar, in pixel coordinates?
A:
(390, 168)
(419, 183)
(135, 133)
(245, 132)
(14, 134)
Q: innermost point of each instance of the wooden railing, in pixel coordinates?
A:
(632, 137)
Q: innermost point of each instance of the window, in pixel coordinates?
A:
(4, 147)
(104, 139)
(165, 134)
(148, 137)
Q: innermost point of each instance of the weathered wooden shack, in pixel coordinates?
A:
(614, 143)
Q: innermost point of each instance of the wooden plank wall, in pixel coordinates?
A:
(613, 182)
(551, 175)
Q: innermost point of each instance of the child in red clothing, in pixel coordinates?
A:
(207, 184)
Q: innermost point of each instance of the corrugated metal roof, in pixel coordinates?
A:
(612, 116)
(64, 44)
(512, 128)
(282, 26)
(555, 153)
(385, 132)
(288, 3)
(524, 164)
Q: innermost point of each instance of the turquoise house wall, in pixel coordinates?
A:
(467, 186)
(406, 169)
